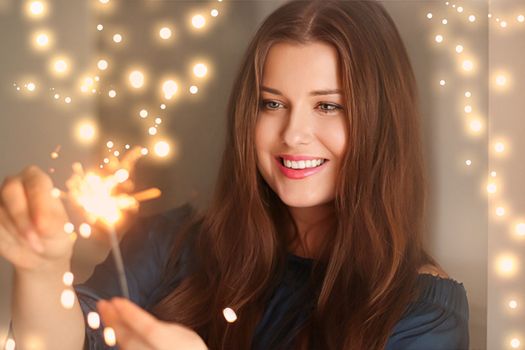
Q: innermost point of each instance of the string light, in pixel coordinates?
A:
(10, 344)
(84, 230)
(69, 228)
(117, 38)
(229, 315)
(198, 21)
(109, 336)
(112, 93)
(459, 48)
(67, 299)
(429, 15)
(194, 89)
(214, 12)
(136, 78)
(169, 87)
(165, 33)
(152, 130)
(68, 279)
(93, 320)
(162, 149)
(439, 38)
(200, 70)
(143, 113)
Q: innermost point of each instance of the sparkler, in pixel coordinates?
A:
(95, 194)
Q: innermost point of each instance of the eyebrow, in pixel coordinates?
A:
(312, 93)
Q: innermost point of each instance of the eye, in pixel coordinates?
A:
(330, 108)
(269, 104)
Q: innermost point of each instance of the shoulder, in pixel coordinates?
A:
(438, 319)
(433, 270)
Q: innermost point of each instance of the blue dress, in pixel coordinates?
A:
(437, 320)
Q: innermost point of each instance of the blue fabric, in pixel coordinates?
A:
(437, 320)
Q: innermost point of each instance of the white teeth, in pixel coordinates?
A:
(301, 164)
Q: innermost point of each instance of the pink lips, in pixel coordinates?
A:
(299, 173)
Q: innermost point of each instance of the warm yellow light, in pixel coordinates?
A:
(158, 120)
(501, 80)
(459, 48)
(36, 8)
(117, 38)
(162, 148)
(60, 66)
(121, 175)
(165, 33)
(143, 113)
(42, 40)
(475, 125)
(100, 27)
(506, 265)
(10, 344)
(112, 93)
(500, 211)
(492, 188)
(31, 86)
(193, 89)
(144, 151)
(444, 21)
(162, 106)
(84, 230)
(109, 336)
(521, 18)
(104, 1)
(229, 315)
(69, 228)
(116, 153)
(136, 78)
(499, 147)
(86, 131)
(515, 343)
(513, 304)
(67, 100)
(439, 38)
(93, 320)
(110, 144)
(152, 130)
(169, 87)
(460, 9)
(215, 13)
(55, 193)
(472, 18)
(198, 21)
(468, 162)
(468, 109)
(493, 173)
(503, 24)
(67, 299)
(467, 65)
(468, 94)
(200, 70)
(520, 229)
(68, 279)
(442, 82)
(429, 15)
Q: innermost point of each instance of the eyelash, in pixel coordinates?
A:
(326, 111)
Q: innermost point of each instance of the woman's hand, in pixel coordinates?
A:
(32, 235)
(135, 329)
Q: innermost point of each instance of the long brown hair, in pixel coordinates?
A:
(368, 273)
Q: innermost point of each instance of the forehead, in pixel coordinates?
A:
(298, 67)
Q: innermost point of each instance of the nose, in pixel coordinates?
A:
(298, 128)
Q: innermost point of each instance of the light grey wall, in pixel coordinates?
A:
(31, 128)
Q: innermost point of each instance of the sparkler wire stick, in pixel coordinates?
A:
(117, 256)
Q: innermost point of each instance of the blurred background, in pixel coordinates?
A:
(81, 80)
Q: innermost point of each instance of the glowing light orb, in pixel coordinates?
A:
(60, 66)
(475, 125)
(468, 109)
(198, 21)
(442, 82)
(10, 344)
(169, 88)
(104, 1)
(503, 24)
(36, 8)
(492, 188)
(116, 153)
(67, 100)
(499, 147)
(112, 93)
(41, 40)
(136, 78)
(467, 65)
(109, 144)
(468, 162)
(194, 89)
(506, 265)
(229, 315)
(165, 33)
(468, 94)
(86, 131)
(472, 18)
(67, 299)
(100, 27)
(444, 21)
(55, 193)
(117, 38)
(521, 18)
(520, 229)
(144, 151)
(158, 120)
(69, 228)
(214, 12)
(68, 279)
(500, 211)
(501, 80)
(513, 304)
(200, 70)
(162, 149)
(152, 131)
(31, 87)
(439, 38)
(143, 113)
(459, 48)
(429, 15)
(515, 343)
(460, 9)
(109, 336)
(163, 106)
(84, 230)
(121, 175)
(93, 320)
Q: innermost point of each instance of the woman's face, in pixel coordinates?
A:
(301, 117)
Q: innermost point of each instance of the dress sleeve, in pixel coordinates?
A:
(437, 321)
(145, 250)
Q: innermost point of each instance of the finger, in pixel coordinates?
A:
(16, 205)
(137, 319)
(47, 212)
(126, 338)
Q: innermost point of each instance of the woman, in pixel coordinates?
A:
(325, 257)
